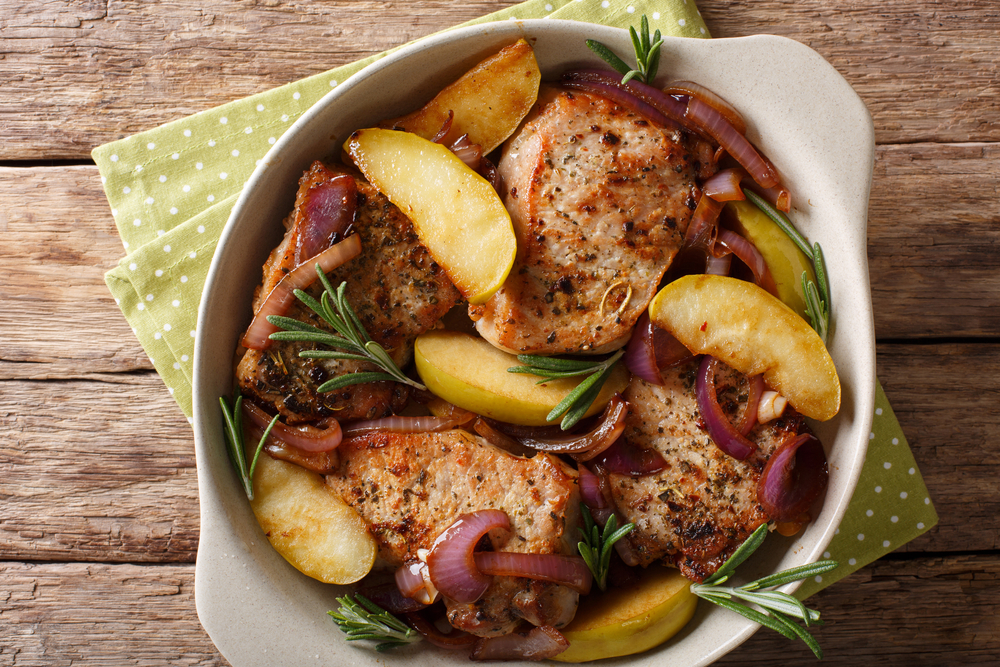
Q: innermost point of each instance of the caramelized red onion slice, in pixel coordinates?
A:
(451, 641)
(704, 225)
(779, 197)
(585, 446)
(412, 579)
(749, 418)
(301, 277)
(539, 643)
(500, 440)
(328, 211)
(450, 562)
(794, 477)
(569, 571)
(718, 266)
(626, 459)
(467, 152)
(306, 438)
(750, 256)
(652, 350)
(725, 185)
(725, 436)
(389, 597)
(590, 489)
(445, 128)
(397, 424)
(692, 89)
(623, 97)
(713, 123)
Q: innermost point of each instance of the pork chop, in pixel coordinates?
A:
(600, 198)
(410, 487)
(394, 285)
(694, 513)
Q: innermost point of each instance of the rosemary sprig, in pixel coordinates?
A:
(363, 619)
(817, 293)
(350, 340)
(576, 403)
(647, 54)
(779, 608)
(234, 441)
(596, 546)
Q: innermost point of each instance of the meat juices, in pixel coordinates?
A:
(696, 512)
(395, 287)
(410, 487)
(600, 199)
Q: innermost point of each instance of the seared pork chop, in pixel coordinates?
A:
(411, 487)
(395, 287)
(704, 504)
(600, 198)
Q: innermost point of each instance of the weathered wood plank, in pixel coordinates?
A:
(57, 239)
(90, 72)
(111, 479)
(933, 235)
(61, 614)
(114, 479)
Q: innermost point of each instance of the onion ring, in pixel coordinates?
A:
(587, 445)
(794, 477)
(450, 562)
(725, 436)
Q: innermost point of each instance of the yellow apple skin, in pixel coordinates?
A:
(472, 374)
(623, 621)
(488, 102)
(752, 331)
(456, 212)
(784, 259)
(308, 524)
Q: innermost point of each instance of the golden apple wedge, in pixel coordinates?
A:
(623, 621)
(456, 212)
(472, 374)
(752, 331)
(309, 525)
(784, 259)
(488, 102)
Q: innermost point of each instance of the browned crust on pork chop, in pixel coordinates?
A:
(410, 487)
(600, 198)
(394, 285)
(704, 504)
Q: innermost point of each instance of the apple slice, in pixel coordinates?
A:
(472, 374)
(489, 101)
(308, 523)
(623, 621)
(457, 213)
(783, 257)
(750, 330)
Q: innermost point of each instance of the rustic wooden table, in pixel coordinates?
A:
(98, 497)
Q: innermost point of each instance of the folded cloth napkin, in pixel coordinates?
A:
(171, 190)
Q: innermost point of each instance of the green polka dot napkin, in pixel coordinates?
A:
(171, 190)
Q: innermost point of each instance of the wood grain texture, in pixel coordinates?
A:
(112, 479)
(94, 71)
(115, 615)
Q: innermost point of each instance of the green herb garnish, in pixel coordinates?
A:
(817, 293)
(576, 403)
(367, 620)
(234, 441)
(596, 545)
(647, 54)
(351, 339)
(779, 608)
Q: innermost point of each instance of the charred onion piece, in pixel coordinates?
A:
(305, 438)
(569, 571)
(585, 446)
(794, 477)
(626, 459)
(652, 350)
(692, 89)
(539, 643)
(704, 225)
(713, 123)
(450, 562)
(451, 641)
(725, 436)
(467, 152)
(329, 209)
(750, 256)
(725, 185)
(301, 277)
